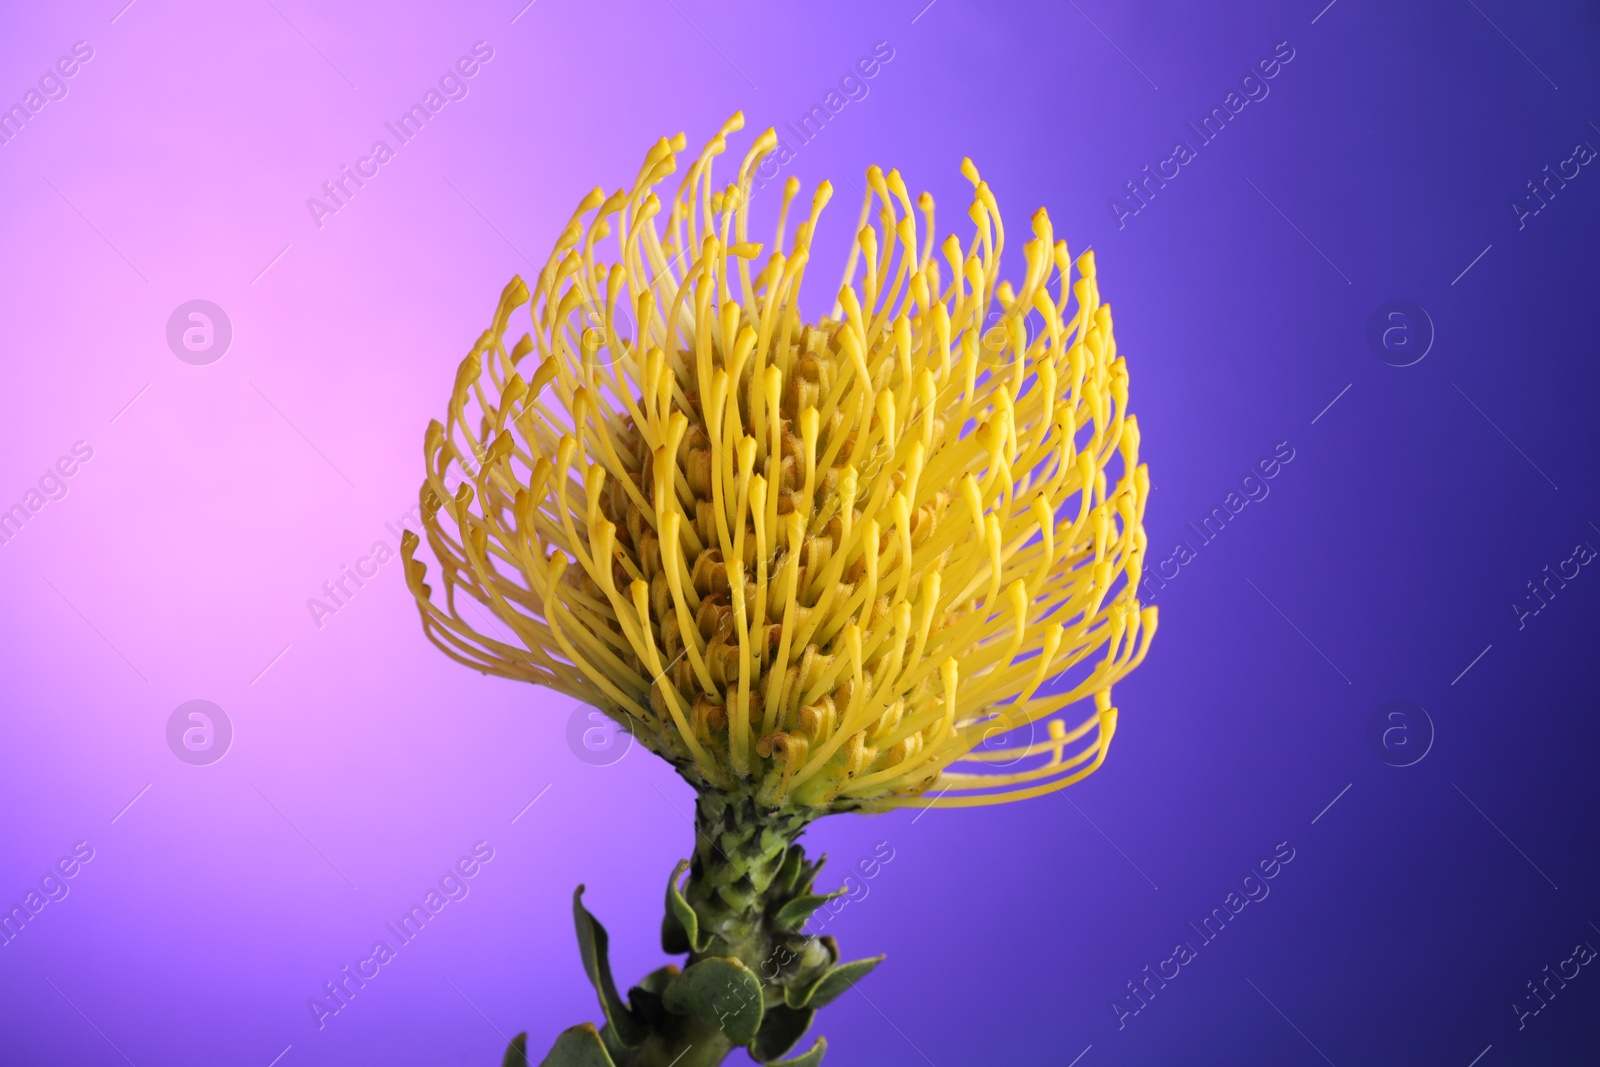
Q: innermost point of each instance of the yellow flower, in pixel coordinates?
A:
(817, 565)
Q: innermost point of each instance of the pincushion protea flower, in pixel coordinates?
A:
(814, 565)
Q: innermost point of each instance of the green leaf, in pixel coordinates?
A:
(772, 839)
(832, 985)
(680, 928)
(788, 871)
(516, 1052)
(657, 980)
(721, 991)
(674, 939)
(614, 1048)
(578, 1047)
(795, 913)
(810, 1059)
(593, 945)
(808, 874)
(780, 1029)
(645, 998)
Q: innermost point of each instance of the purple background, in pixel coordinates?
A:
(1415, 510)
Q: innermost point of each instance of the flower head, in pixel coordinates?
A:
(815, 563)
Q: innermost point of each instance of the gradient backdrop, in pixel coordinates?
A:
(1441, 859)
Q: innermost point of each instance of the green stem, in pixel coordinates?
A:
(744, 869)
